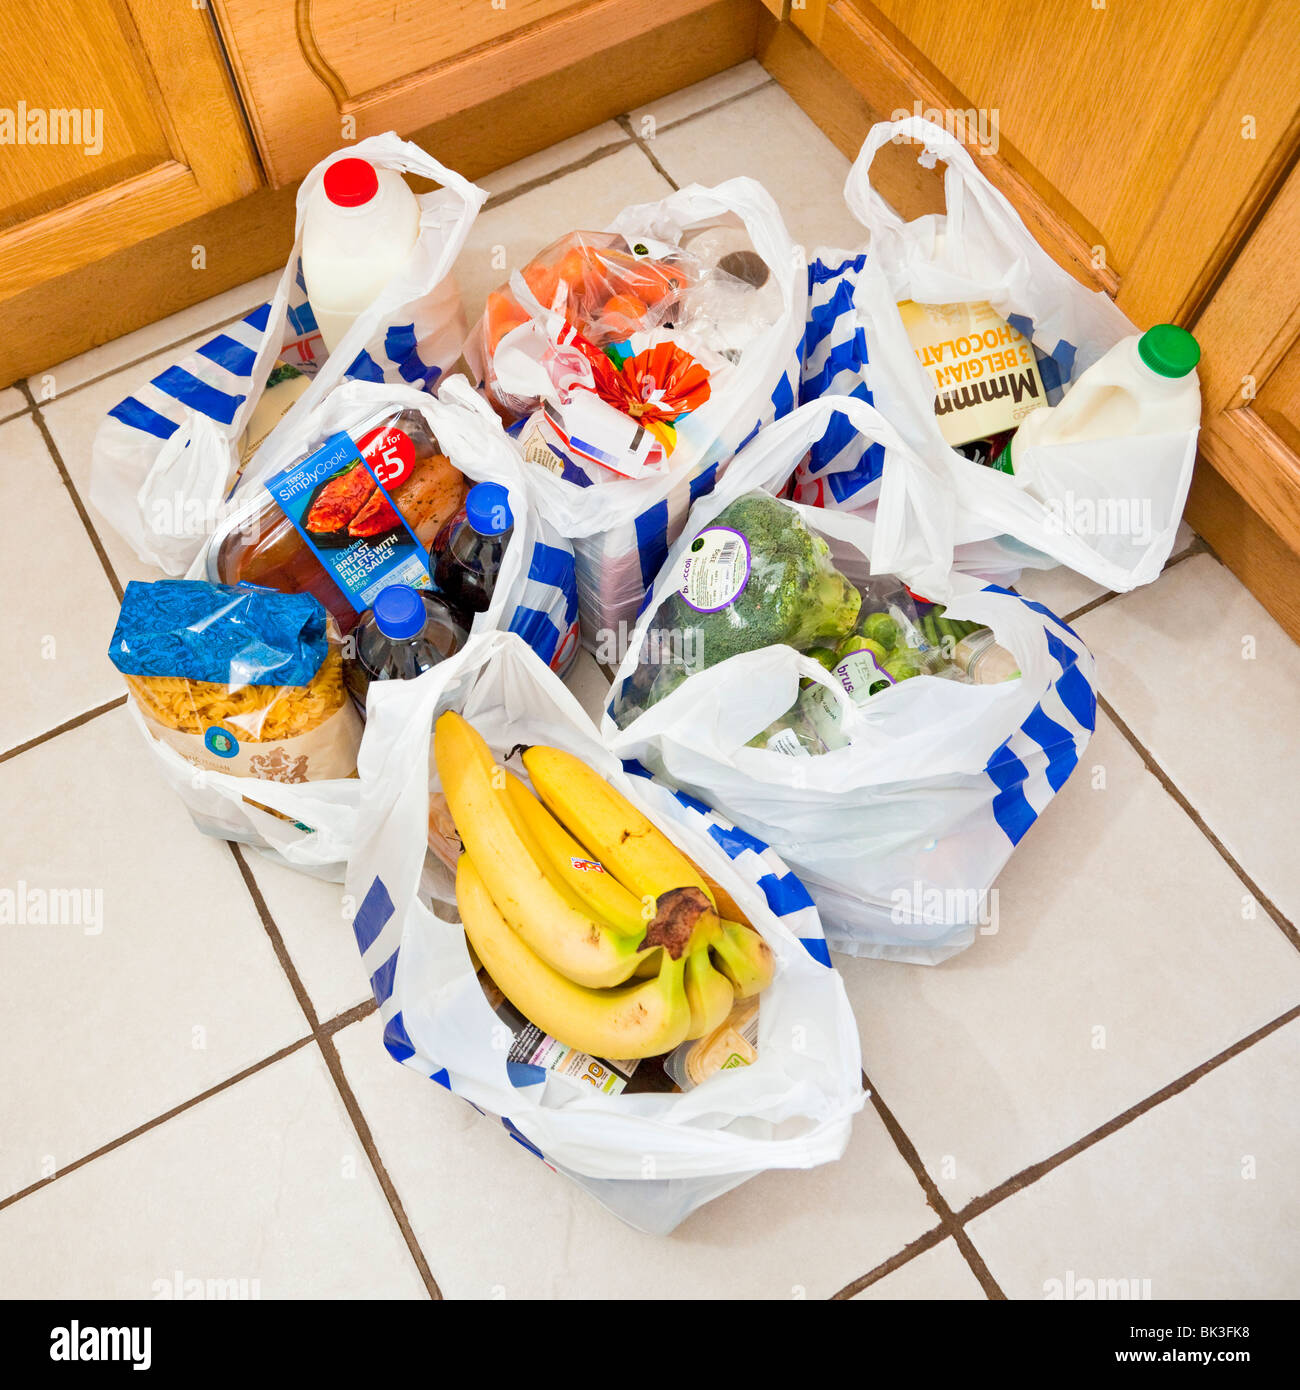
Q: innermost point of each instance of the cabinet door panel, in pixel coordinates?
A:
(1250, 374)
(118, 122)
(315, 75)
(1138, 139)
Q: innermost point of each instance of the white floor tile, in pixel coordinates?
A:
(1060, 589)
(1208, 682)
(677, 106)
(546, 162)
(767, 137)
(12, 402)
(940, 1272)
(63, 608)
(264, 1184)
(179, 988)
(309, 914)
(469, 1190)
(1120, 962)
(589, 684)
(1198, 1197)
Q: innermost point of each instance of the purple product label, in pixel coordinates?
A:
(715, 569)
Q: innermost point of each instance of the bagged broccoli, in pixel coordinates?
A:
(754, 577)
(757, 577)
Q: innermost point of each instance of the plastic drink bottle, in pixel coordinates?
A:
(1146, 384)
(407, 632)
(468, 549)
(360, 226)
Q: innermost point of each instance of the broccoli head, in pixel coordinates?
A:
(793, 594)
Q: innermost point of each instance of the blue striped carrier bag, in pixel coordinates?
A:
(650, 1150)
(172, 460)
(891, 772)
(628, 420)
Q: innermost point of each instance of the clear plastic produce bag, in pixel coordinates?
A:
(633, 363)
(651, 1158)
(1106, 508)
(167, 459)
(900, 833)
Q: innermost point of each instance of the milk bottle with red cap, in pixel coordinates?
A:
(360, 226)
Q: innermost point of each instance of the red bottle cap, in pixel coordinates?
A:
(351, 182)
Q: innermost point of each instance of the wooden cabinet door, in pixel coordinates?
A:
(318, 73)
(1138, 138)
(1250, 423)
(118, 120)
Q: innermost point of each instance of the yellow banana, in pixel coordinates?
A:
(555, 924)
(743, 957)
(636, 852)
(709, 994)
(637, 1020)
(566, 860)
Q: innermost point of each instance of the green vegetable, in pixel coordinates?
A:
(861, 644)
(880, 627)
(826, 655)
(794, 594)
(903, 665)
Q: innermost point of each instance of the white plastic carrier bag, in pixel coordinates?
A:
(167, 458)
(622, 527)
(651, 1158)
(310, 825)
(1108, 509)
(898, 836)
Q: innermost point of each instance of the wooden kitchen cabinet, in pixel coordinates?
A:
(1151, 148)
(1250, 424)
(319, 73)
(121, 122)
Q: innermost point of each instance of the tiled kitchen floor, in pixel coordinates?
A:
(1104, 1087)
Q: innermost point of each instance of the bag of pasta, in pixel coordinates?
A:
(232, 683)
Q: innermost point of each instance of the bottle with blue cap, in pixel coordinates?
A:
(407, 632)
(467, 551)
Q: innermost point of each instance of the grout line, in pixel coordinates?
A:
(1090, 605)
(949, 1225)
(18, 414)
(348, 1017)
(157, 1120)
(325, 1042)
(1019, 1181)
(80, 506)
(717, 105)
(277, 941)
(332, 1061)
(508, 194)
(1197, 547)
(1152, 766)
(626, 123)
(936, 1235)
(62, 728)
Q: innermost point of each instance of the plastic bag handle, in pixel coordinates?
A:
(815, 671)
(908, 483)
(871, 209)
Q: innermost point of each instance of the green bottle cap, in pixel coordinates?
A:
(1169, 350)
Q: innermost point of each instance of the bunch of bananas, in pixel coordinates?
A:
(594, 925)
